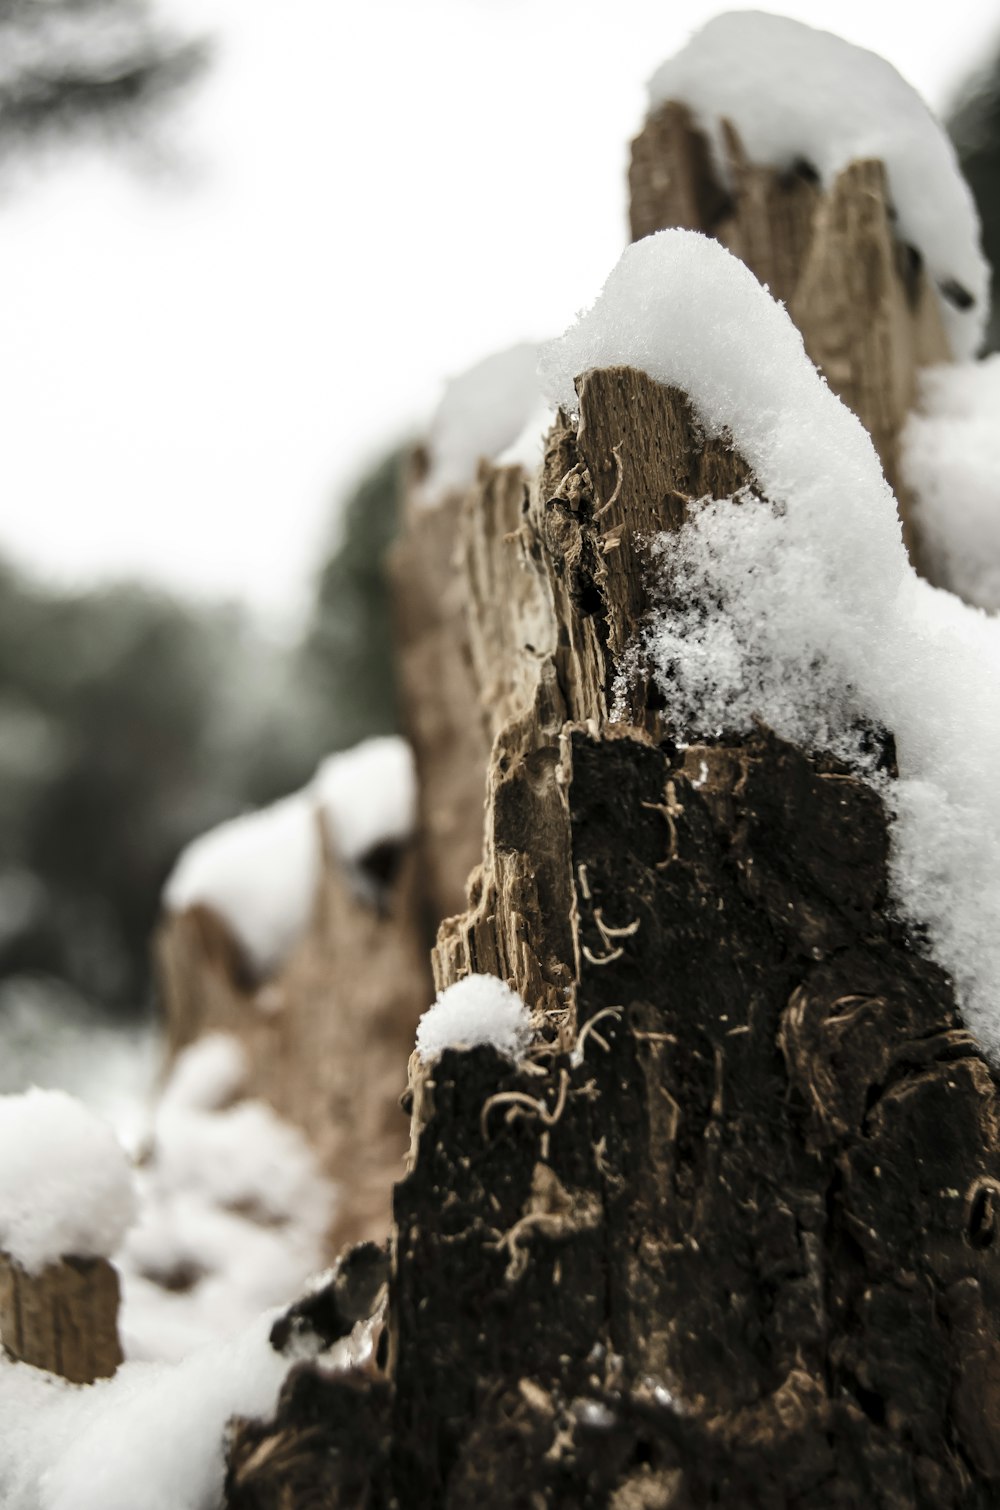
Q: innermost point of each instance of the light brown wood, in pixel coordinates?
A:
(64, 1319)
(327, 1036)
(868, 315)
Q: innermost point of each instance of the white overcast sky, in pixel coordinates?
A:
(192, 371)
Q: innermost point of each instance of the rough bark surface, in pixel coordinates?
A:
(64, 1319)
(868, 315)
(327, 1036)
(728, 1235)
(441, 711)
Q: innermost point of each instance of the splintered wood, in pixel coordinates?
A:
(868, 315)
(726, 1235)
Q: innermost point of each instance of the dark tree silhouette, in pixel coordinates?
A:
(71, 68)
(974, 124)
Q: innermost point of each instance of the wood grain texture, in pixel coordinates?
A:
(328, 1035)
(869, 317)
(64, 1319)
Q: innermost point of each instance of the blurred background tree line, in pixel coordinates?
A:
(131, 721)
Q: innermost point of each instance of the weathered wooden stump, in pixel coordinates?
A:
(64, 1319)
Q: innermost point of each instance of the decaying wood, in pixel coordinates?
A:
(868, 314)
(442, 718)
(327, 1036)
(728, 1235)
(64, 1319)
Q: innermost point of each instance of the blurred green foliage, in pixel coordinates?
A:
(347, 654)
(130, 722)
(974, 126)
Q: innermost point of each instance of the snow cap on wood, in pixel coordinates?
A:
(798, 95)
(66, 1186)
(797, 604)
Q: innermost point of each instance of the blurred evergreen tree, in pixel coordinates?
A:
(130, 723)
(347, 653)
(70, 68)
(974, 125)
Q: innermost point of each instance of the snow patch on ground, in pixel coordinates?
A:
(797, 604)
(796, 94)
(153, 1436)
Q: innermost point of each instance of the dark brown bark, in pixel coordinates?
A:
(728, 1235)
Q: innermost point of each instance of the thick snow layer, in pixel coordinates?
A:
(65, 1183)
(233, 1211)
(817, 622)
(951, 465)
(260, 872)
(477, 1010)
(482, 412)
(368, 796)
(797, 94)
(151, 1437)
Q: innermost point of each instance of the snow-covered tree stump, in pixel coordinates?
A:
(727, 1235)
(328, 1031)
(64, 1319)
(724, 1231)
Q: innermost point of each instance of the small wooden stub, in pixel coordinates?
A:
(64, 1320)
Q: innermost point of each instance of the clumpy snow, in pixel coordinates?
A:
(260, 872)
(797, 604)
(65, 1182)
(951, 466)
(480, 1009)
(483, 411)
(797, 94)
(207, 1075)
(233, 1210)
(151, 1437)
